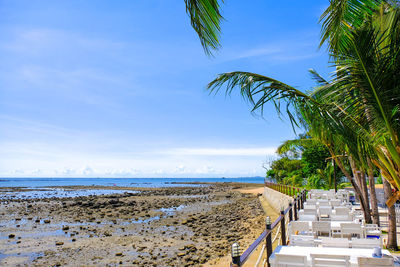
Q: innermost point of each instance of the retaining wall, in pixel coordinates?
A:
(276, 199)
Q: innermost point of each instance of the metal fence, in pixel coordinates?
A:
(279, 226)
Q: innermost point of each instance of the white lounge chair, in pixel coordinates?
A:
(375, 262)
(334, 242)
(320, 260)
(282, 260)
(366, 243)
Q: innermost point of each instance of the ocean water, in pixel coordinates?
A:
(133, 182)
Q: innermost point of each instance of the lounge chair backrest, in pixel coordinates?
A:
(340, 217)
(310, 211)
(302, 240)
(283, 260)
(320, 260)
(311, 202)
(321, 227)
(334, 242)
(342, 211)
(325, 210)
(335, 202)
(307, 217)
(310, 206)
(375, 262)
(351, 228)
(298, 227)
(366, 243)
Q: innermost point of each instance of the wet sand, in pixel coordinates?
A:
(175, 226)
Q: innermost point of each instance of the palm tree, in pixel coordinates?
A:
(359, 106)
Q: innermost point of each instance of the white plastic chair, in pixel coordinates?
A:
(283, 260)
(335, 202)
(334, 242)
(298, 227)
(342, 211)
(351, 229)
(321, 260)
(302, 240)
(341, 217)
(310, 206)
(372, 230)
(325, 211)
(311, 202)
(321, 227)
(307, 217)
(366, 243)
(310, 211)
(375, 262)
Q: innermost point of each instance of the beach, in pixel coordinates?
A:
(171, 226)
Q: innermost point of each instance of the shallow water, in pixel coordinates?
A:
(58, 193)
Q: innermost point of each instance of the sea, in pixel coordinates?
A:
(35, 188)
(123, 182)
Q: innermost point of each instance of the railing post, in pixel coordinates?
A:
(290, 212)
(268, 241)
(301, 200)
(283, 225)
(298, 201)
(295, 209)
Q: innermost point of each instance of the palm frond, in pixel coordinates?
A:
(260, 90)
(341, 17)
(205, 17)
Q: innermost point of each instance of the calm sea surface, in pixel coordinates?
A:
(134, 182)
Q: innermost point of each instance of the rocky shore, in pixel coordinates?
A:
(174, 226)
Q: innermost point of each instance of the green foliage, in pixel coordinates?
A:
(379, 180)
(314, 157)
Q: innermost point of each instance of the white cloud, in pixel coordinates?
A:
(263, 151)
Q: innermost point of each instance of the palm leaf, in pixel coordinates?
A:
(205, 18)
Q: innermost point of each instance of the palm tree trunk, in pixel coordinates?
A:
(374, 201)
(360, 178)
(392, 235)
(367, 213)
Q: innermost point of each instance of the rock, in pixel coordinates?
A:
(11, 235)
(65, 228)
(59, 243)
(46, 221)
(119, 254)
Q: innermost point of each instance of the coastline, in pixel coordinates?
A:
(155, 226)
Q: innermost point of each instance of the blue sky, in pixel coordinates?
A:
(117, 88)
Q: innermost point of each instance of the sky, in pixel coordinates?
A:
(118, 88)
